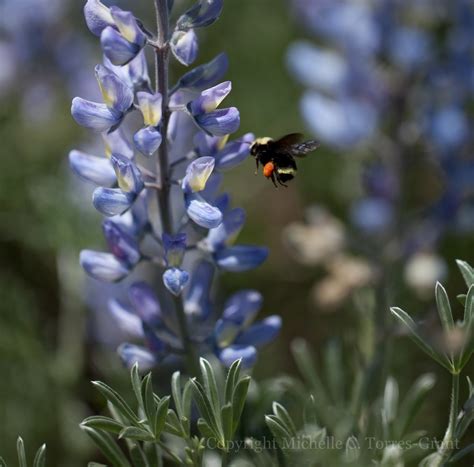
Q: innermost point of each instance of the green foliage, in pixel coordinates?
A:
(457, 343)
(38, 461)
(154, 424)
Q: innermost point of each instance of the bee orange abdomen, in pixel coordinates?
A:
(268, 169)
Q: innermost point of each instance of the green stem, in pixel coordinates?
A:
(449, 440)
(163, 166)
(224, 459)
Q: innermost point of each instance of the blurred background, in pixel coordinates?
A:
(373, 219)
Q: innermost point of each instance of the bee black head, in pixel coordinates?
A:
(258, 144)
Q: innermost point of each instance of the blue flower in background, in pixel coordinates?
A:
(169, 213)
(379, 78)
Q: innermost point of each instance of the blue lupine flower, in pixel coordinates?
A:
(234, 335)
(122, 245)
(134, 73)
(112, 201)
(193, 152)
(197, 174)
(118, 98)
(147, 140)
(122, 41)
(214, 122)
(175, 247)
(184, 46)
(377, 75)
(240, 258)
(175, 279)
(98, 16)
(95, 169)
(145, 303)
(133, 354)
(103, 266)
(197, 303)
(115, 142)
(204, 13)
(227, 155)
(130, 324)
(204, 75)
(128, 175)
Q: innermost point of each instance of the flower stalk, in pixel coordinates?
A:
(449, 439)
(163, 166)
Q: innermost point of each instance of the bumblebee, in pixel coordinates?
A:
(278, 156)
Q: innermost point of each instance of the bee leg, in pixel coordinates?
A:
(280, 181)
(257, 164)
(273, 180)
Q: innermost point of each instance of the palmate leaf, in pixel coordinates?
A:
(20, 449)
(411, 404)
(160, 416)
(40, 457)
(103, 423)
(405, 319)
(239, 397)
(467, 272)
(107, 446)
(231, 379)
(206, 409)
(135, 433)
(148, 398)
(137, 385)
(117, 401)
(282, 414)
(444, 308)
(210, 384)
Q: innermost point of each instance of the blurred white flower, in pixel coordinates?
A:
(423, 270)
(314, 243)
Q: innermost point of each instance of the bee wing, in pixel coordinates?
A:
(289, 140)
(304, 148)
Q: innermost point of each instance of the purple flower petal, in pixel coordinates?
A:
(210, 99)
(128, 322)
(202, 213)
(260, 333)
(117, 95)
(184, 46)
(150, 107)
(241, 257)
(204, 13)
(234, 153)
(175, 247)
(128, 26)
(147, 140)
(92, 168)
(116, 48)
(205, 75)
(94, 116)
(242, 307)
(145, 302)
(97, 16)
(131, 354)
(129, 177)
(175, 280)
(229, 355)
(227, 231)
(220, 122)
(122, 245)
(117, 143)
(197, 174)
(197, 301)
(103, 266)
(111, 201)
